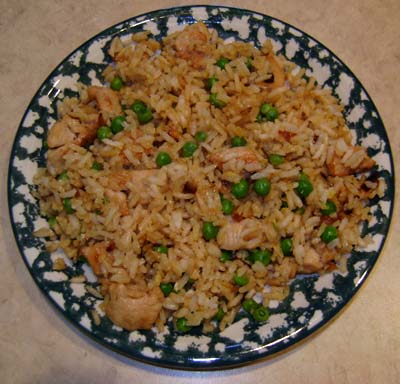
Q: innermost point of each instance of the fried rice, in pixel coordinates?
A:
(200, 179)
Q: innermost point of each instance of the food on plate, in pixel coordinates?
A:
(200, 179)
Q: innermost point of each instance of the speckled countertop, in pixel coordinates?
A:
(362, 345)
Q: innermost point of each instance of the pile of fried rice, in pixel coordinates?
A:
(200, 179)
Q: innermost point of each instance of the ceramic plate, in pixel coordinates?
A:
(313, 300)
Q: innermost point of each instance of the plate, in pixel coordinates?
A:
(313, 299)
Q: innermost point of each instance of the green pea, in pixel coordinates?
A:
(210, 231)
(181, 325)
(201, 136)
(240, 280)
(329, 234)
(215, 101)
(249, 64)
(269, 112)
(276, 159)
(219, 315)
(330, 207)
(261, 255)
(238, 141)
(287, 246)
(145, 117)
(241, 189)
(210, 82)
(63, 176)
(304, 187)
(249, 305)
(261, 314)
(166, 288)
(104, 132)
(161, 249)
(52, 221)
(227, 206)
(117, 124)
(272, 115)
(163, 158)
(262, 187)
(97, 166)
(143, 112)
(222, 62)
(116, 83)
(225, 255)
(139, 107)
(265, 108)
(300, 210)
(68, 206)
(188, 149)
(260, 118)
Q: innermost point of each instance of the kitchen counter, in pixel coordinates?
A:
(362, 344)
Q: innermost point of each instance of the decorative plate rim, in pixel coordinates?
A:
(208, 363)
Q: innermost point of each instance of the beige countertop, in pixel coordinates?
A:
(362, 345)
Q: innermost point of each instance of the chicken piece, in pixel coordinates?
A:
(316, 260)
(208, 201)
(229, 158)
(62, 132)
(87, 115)
(142, 182)
(246, 234)
(337, 167)
(192, 44)
(312, 261)
(119, 199)
(132, 307)
(55, 160)
(71, 130)
(96, 254)
(107, 101)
